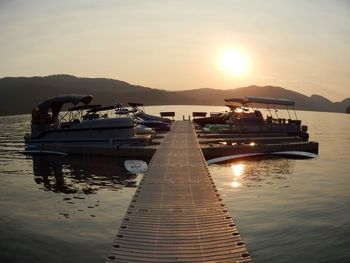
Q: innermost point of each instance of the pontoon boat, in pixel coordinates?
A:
(82, 124)
(244, 117)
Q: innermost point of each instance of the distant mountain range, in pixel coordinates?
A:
(18, 95)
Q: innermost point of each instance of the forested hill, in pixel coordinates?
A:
(18, 95)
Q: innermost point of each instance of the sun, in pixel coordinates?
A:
(235, 62)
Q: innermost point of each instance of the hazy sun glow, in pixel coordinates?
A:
(235, 62)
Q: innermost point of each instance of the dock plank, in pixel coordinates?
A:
(176, 214)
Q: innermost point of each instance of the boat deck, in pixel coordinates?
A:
(176, 214)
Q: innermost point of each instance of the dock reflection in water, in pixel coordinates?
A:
(81, 175)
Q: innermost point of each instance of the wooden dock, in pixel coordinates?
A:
(176, 214)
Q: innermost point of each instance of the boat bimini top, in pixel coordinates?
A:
(260, 100)
(249, 101)
(41, 111)
(266, 100)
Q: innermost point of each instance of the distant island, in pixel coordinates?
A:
(18, 95)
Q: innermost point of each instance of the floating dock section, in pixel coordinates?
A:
(176, 214)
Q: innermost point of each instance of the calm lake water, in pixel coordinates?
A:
(68, 209)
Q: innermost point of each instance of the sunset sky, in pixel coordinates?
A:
(180, 44)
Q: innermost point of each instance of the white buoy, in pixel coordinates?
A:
(135, 166)
(300, 154)
(232, 157)
(287, 154)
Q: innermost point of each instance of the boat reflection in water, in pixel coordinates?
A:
(256, 172)
(81, 175)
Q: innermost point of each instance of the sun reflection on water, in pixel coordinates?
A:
(237, 170)
(235, 184)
